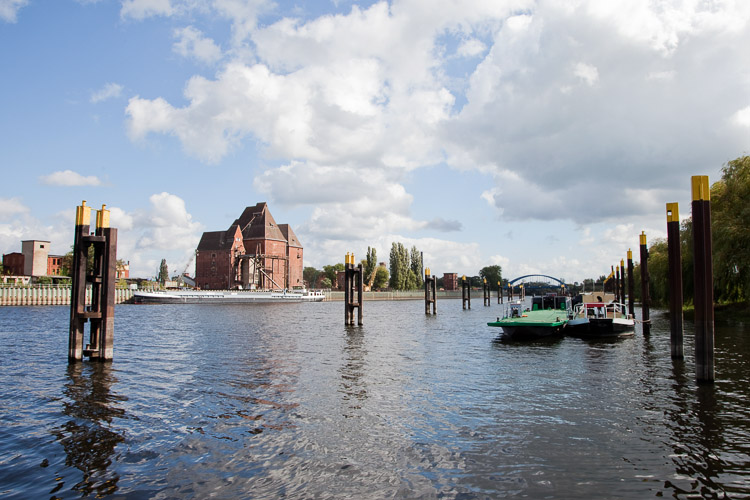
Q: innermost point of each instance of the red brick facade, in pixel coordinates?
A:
(253, 252)
(450, 281)
(54, 265)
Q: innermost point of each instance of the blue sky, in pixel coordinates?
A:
(541, 136)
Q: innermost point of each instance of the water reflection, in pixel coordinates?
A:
(353, 385)
(89, 437)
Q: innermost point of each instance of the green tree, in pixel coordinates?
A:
(381, 278)
(493, 275)
(310, 275)
(730, 213)
(163, 274)
(330, 272)
(326, 283)
(415, 264)
(397, 267)
(370, 264)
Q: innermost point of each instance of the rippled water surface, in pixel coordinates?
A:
(283, 400)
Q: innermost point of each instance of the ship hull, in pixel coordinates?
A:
(224, 297)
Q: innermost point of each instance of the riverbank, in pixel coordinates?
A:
(58, 295)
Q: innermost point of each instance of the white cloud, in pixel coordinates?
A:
(10, 207)
(742, 117)
(109, 91)
(587, 73)
(141, 9)
(471, 48)
(191, 43)
(9, 9)
(163, 230)
(69, 178)
(584, 110)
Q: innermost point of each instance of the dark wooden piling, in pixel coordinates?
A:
(510, 292)
(499, 293)
(618, 297)
(466, 293)
(703, 280)
(674, 280)
(353, 285)
(101, 312)
(622, 282)
(430, 292)
(486, 292)
(645, 296)
(631, 285)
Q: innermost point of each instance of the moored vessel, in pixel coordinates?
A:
(547, 316)
(598, 315)
(225, 296)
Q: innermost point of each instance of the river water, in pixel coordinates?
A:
(283, 400)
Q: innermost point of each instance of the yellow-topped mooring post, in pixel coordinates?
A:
(486, 292)
(499, 293)
(645, 278)
(353, 283)
(617, 284)
(631, 285)
(465, 292)
(703, 280)
(430, 292)
(510, 292)
(100, 313)
(674, 280)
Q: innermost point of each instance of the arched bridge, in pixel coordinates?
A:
(511, 282)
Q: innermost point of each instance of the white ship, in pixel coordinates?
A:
(225, 296)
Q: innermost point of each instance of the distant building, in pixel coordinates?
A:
(35, 253)
(13, 263)
(122, 271)
(450, 281)
(54, 265)
(254, 252)
(33, 260)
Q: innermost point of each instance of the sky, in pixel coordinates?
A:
(541, 136)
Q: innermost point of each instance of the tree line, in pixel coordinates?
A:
(730, 234)
(405, 271)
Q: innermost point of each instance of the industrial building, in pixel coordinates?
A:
(254, 252)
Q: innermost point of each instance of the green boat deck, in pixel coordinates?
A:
(547, 317)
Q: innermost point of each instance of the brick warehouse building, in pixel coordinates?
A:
(254, 252)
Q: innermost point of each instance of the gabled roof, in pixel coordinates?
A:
(257, 223)
(219, 240)
(291, 238)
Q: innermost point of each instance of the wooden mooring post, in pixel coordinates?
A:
(465, 293)
(703, 280)
(430, 292)
(645, 297)
(617, 284)
(622, 282)
(674, 280)
(101, 312)
(510, 292)
(631, 285)
(352, 285)
(486, 292)
(499, 293)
